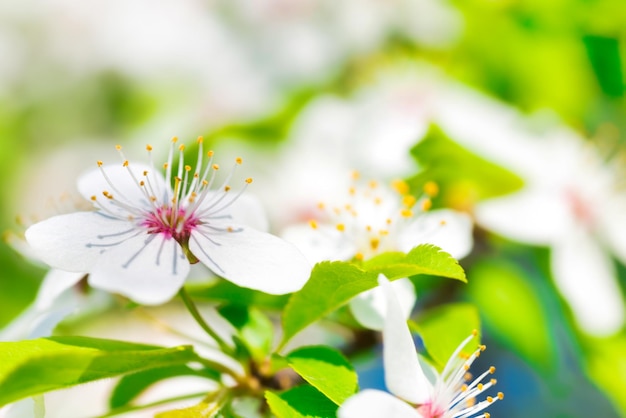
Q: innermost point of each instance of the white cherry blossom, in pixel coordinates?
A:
(374, 219)
(147, 229)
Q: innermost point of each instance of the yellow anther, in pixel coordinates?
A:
(407, 213)
(443, 222)
(142, 183)
(216, 167)
(118, 147)
(487, 415)
(426, 204)
(374, 243)
(489, 399)
(463, 388)
(153, 198)
(341, 227)
(94, 198)
(408, 201)
(355, 175)
(400, 186)
(181, 147)
(482, 347)
(466, 367)
(474, 332)
(238, 160)
(209, 153)
(493, 382)
(249, 180)
(480, 386)
(321, 205)
(165, 165)
(383, 232)
(174, 139)
(388, 221)
(226, 188)
(500, 395)
(373, 184)
(145, 173)
(187, 168)
(368, 228)
(205, 183)
(200, 140)
(348, 207)
(125, 163)
(196, 176)
(359, 256)
(467, 376)
(313, 224)
(492, 370)
(352, 191)
(378, 201)
(431, 188)
(230, 229)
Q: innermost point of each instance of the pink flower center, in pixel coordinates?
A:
(172, 223)
(429, 410)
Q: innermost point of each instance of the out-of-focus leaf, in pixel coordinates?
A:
(301, 402)
(606, 365)
(443, 328)
(225, 291)
(131, 386)
(464, 177)
(36, 366)
(512, 310)
(327, 370)
(605, 59)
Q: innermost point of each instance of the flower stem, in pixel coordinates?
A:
(193, 310)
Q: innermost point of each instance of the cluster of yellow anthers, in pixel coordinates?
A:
(373, 212)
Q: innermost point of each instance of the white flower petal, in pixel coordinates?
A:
(532, 216)
(376, 404)
(369, 308)
(248, 210)
(613, 224)
(321, 244)
(447, 229)
(55, 283)
(122, 185)
(148, 269)
(66, 242)
(585, 276)
(252, 259)
(403, 374)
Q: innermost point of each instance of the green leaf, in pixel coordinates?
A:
(256, 331)
(333, 284)
(132, 385)
(301, 402)
(225, 291)
(423, 259)
(463, 177)
(327, 370)
(36, 366)
(443, 328)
